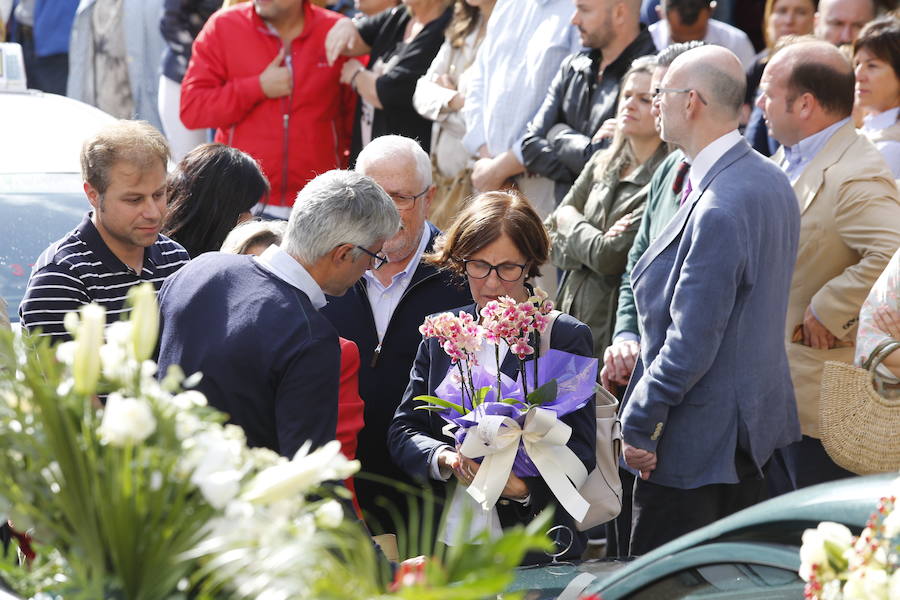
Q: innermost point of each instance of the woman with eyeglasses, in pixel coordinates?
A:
(497, 243)
(593, 228)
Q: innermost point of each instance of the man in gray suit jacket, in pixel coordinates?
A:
(711, 398)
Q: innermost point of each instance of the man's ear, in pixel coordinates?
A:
(341, 253)
(426, 201)
(93, 195)
(805, 105)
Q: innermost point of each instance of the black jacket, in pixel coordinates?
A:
(181, 21)
(557, 141)
(384, 370)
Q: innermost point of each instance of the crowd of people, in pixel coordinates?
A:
(715, 223)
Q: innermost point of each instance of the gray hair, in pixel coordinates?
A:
(338, 207)
(390, 147)
(252, 233)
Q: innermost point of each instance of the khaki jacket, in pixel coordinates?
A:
(849, 229)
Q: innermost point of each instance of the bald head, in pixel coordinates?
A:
(717, 74)
(820, 69)
(838, 22)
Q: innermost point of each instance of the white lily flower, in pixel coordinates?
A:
(144, 320)
(88, 339)
(126, 421)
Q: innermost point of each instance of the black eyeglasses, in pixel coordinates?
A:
(405, 201)
(376, 261)
(659, 91)
(479, 269)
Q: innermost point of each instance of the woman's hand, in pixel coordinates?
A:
(887, 320)
(515, 488)
(445, 81)
(340, 39)
(606, 131)
(350, 68)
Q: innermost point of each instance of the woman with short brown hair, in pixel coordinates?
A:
(498, 243)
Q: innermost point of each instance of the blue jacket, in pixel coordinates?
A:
(269, 359)
(415, 435)
(383, 378)
(712, 294)
(53, 26)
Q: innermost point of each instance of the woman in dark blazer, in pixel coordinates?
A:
(401, 43)
(498, 242)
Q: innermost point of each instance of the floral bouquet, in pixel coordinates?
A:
(512, 424)
(151, 497)
(837, 566)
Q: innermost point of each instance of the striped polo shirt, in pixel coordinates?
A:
(80, 269)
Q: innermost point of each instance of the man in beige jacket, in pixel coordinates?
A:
(850, 225)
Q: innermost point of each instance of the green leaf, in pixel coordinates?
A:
(480, 395)
(442, 403)
(544, 394)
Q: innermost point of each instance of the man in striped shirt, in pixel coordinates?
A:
(118, 243)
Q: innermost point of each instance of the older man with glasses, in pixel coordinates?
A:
(251, 324)
(383, 310)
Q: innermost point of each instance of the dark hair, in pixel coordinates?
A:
(688, 10)
(208, 191)
(832, 88)
(484, 219)
(881, 37)
(666, 56)
(465, 20)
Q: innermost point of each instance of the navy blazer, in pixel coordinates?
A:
(712, 294)
(415, 435)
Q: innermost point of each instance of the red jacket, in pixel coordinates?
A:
(350, 408)
(301, 135)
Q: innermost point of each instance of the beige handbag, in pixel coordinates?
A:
(603, 487)
(860, 425)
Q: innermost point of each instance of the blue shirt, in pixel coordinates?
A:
(796, 157)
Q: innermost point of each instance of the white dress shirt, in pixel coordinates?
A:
(285, 267)
(525, 43)
(707, 157)
(718, 33)
(890, 149)
(384, 300)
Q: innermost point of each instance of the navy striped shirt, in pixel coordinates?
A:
(80, 269)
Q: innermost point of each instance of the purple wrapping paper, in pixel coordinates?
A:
(575, 377)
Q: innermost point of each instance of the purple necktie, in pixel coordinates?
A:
(687, 192)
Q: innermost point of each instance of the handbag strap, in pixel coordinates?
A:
(545, 336)
(880, 353)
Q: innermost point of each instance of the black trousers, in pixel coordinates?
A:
(809, 464)
(661, 513)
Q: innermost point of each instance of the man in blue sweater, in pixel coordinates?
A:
(252, 326)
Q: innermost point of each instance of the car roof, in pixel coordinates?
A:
(49, 131)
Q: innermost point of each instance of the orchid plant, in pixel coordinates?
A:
(502, 320)
(838, 566)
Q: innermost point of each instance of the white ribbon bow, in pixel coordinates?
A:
(544, 436)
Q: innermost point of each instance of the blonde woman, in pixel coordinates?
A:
(440, 95)
(594, 226)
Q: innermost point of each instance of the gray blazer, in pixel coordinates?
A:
(712, 293)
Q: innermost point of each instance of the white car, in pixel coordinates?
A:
(41, 191)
